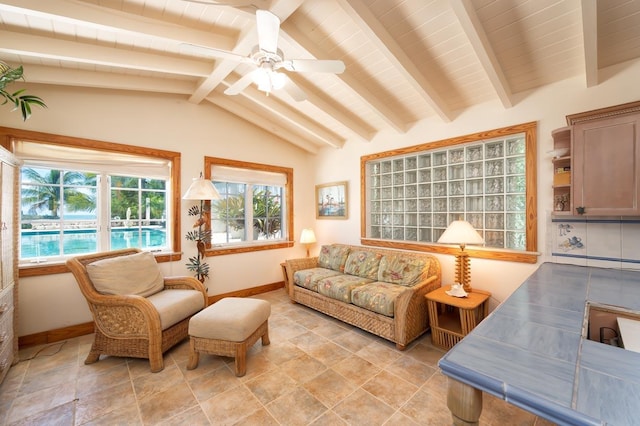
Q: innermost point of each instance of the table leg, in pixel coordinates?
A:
(464, 402)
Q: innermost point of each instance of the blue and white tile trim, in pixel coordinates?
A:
(600, 242)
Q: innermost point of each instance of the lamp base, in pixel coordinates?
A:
(463, 270)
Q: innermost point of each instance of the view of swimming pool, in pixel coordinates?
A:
(35, 244)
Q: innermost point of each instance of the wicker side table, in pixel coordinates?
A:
(451, 318)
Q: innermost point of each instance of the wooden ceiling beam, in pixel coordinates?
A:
(248, 113)
(295, 37)
(589, 10)
(104, 18)
(385, 43)
(472, 27)
(73, 51)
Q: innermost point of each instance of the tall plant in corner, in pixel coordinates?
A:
(19, 99)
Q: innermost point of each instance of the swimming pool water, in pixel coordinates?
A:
(34, 244)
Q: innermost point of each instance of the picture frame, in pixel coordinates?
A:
(332, 200)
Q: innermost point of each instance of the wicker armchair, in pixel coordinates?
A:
(131, 325)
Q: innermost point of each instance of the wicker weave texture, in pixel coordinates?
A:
(411, 317)
(237, 350)
(129, 325)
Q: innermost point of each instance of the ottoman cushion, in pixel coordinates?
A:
(232, 319)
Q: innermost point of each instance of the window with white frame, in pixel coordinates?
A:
(77, 200)
(255, 206)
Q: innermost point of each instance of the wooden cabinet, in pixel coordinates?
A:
(606, 163)
(9, 262)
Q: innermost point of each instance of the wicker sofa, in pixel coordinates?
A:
(378, 290)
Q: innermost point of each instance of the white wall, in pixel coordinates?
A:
(548, 106)
(171, 123)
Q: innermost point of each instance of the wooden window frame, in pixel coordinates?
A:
(529, 255)
(8, 135)
(221, 251)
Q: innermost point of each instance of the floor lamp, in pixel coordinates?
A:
(201, 189)
(462, 232)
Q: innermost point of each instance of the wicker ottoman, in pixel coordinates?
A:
(228, 328)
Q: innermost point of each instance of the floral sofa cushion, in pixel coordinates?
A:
(339, 287)
(403, 270)
(333, 257)
(308, 278)
(363, 264)
(377, 297)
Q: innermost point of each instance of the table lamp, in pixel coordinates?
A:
(462, 232)
(201, 189)
(307, 238)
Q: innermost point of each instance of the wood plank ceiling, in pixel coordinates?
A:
(406, 60)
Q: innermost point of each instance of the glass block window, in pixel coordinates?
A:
(414, 195)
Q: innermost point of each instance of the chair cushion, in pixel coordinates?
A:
(232, 319)
(132, 274)
(176, 305)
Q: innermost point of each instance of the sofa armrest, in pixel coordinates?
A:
(410, 309)
(293, 265)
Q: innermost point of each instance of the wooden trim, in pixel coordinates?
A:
(530, 131)
(288, 171)
(8, 135)
(607, 112)
(61, 268)
(480, 253)
(52, 336)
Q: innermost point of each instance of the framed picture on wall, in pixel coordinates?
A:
(331, 200)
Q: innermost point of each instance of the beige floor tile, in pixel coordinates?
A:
(356, 369)
(26, 405)
(361, 408)
(168, 402)
(329, 387)
(268, 387)
(231, 406)
(391, 389)
(288, 382)
(298, 407)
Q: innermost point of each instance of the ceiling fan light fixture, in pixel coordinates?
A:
(268, 80)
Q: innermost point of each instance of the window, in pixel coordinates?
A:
(411, 195)
(254, 212)
(82, 196)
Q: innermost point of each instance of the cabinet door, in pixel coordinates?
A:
(606, 166)
(6, 218)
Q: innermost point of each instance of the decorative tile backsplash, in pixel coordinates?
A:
(601, 242)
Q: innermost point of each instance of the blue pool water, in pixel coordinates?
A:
(35, 244)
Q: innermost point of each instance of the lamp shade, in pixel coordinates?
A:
(460, 232)
(201, 189)
(308, 236)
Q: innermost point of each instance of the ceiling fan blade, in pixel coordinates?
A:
(293, 90)
(241, 84)
(212, 52)
(268, 26)
(313, 65)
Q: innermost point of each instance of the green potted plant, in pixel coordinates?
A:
(19, 98)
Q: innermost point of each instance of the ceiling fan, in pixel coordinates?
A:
(268, 59)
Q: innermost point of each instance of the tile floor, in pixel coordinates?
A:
(316, 371)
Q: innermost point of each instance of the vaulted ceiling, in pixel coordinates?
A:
(406, 60)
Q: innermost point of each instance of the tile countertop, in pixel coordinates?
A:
(530, 351)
